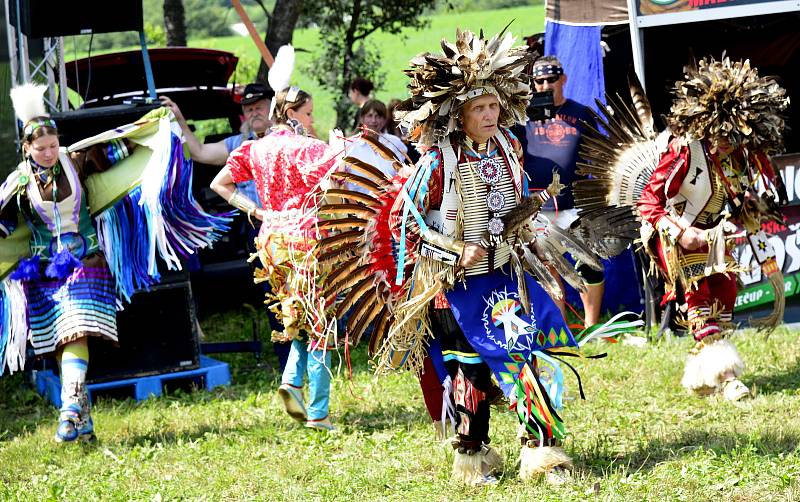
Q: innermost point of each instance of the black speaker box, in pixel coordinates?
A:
(56, 18)
(157, 334)
(75, 125)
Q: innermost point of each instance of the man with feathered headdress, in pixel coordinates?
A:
(465, 201)
(725, 121)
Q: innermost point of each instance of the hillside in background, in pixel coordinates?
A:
(396, 50)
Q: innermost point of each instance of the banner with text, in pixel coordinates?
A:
(649, 7)
(785, 239)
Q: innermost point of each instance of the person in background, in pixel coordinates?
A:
(359, 93)
(375, 117)
(392, 128)
(553, 145)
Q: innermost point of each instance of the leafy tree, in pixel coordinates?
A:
(175, 23)
(344, 27)
(280, 27)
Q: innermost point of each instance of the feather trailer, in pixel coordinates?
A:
(358, 180)
(379, 333)
(364, 169)
(347, 222)
(351, 236)
(534, 265)
(338, 284)
(363, 314)
(344, 252)
(353, 209)
(384, 151)
(354, 295)
(352, 196)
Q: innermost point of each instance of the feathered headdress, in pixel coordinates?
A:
(721, 99)
(467, 69)
(28, 102)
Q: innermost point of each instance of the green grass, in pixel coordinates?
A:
(396, 51)
(637, 437)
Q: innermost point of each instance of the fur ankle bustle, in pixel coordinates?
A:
(536, 461)
(476, 467)
(710, 365)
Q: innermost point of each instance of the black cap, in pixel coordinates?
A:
(256, 92)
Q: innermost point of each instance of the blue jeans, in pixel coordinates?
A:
(315, 364)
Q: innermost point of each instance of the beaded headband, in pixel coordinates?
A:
(34, 124)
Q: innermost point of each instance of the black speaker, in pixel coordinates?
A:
(75, 125)
(55, 18)
(157, 334)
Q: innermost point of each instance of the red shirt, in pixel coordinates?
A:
(284, 165)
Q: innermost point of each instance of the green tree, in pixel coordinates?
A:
(345, 53)
(280, 28)
(175, 23)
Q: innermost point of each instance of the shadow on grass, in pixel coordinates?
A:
(22, 410)
(380, 418)
(170, 437)
(600, 459)
(776, 382)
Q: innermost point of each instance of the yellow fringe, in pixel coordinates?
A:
(768, 323)
(406, 342)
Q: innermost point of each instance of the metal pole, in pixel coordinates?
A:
(148, 69)
(637, 43)
(13, 57)
(48, 68)
(62, 77)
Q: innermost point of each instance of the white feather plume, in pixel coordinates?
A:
(28, 101)
(280, 75)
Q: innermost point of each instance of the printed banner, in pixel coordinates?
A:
(587, 12)
(489, 312)
(785, 240)
(648, 7)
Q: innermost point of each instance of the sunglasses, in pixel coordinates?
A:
(550, 80)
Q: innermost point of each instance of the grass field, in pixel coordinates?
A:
(396, 51)
(637, 437)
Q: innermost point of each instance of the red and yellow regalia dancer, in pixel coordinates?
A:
(692, 188)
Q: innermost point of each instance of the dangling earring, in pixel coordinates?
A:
(296, 126)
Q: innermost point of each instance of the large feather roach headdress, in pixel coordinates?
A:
(724, 99)
(469, 68)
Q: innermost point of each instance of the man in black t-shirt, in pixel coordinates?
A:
(552, 145)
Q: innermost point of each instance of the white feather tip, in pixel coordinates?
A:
(28, 101)
(280, 75)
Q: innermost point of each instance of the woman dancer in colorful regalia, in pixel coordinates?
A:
(287, 166)
(66, 291)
